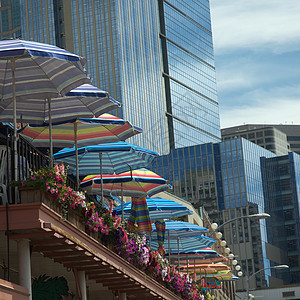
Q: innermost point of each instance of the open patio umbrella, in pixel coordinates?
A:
(136, 183)
(107, 158)
(81, 132)
(183, 237)
(34, 70)
(158, 209)
(85, 101)
(184, 244)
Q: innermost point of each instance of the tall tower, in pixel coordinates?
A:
(154, 56)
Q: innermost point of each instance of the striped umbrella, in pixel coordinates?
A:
(34, 70)
(158, 209)
(183, 229)
(107, 158)
(85, 101)
(185, 244)
(135, 183)
(200, 268)
(82, 132)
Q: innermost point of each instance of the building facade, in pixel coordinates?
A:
(282, 191)
(139, 52)
(279, 139)
(226, 179)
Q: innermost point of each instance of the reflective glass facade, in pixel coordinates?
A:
(226, 179)
(10, 20)
(120, 40)
(282, 190)
(189, 72)
(37, 21)
(154, 56)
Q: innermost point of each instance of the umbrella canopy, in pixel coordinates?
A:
(184, 244)
(116, 158)
(40, 71)
(158, 209)
(85, 101)
(34, 70)
(135, 183)
(201, 268)
(175, 229)
(83, 131)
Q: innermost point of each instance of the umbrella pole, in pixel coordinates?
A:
(178, 254)
(100, 157)
(169, 245)
(50, 132)
(13, 68)
(122, 204)
(76, 155)
(187, 263)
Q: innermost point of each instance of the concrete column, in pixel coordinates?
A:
(82, 284)
(24, 265)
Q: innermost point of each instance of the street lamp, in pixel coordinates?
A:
(260, 216)
(249, 277)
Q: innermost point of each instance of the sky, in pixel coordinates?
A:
(257, 59)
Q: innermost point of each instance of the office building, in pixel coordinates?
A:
(139, 51)
(227, 180)
(282, 191)
(279, 139)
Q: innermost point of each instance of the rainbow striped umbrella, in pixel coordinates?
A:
(136, 183)
(30, 70)
(81, 132)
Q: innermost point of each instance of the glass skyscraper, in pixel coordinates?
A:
(226, 179)
(154, 56)
(282, 191)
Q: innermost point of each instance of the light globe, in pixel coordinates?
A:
(223, 243)
(214, 226)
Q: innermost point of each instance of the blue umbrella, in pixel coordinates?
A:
(34, 70)
(182, 229)
(181, 245)
(107, 158)
(159, 208)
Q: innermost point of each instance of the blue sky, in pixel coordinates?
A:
(257, 58)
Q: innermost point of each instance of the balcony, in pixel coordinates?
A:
(53, 241)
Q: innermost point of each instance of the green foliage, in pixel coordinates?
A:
(49, 288)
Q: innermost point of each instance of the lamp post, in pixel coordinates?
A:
(260, 216)
(249, 277)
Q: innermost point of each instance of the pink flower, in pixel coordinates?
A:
(117, 223)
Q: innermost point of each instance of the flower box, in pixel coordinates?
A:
(35, 195)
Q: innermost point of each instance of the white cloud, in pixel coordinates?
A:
(256, 25)
(277, 111)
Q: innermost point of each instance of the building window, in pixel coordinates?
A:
(288, 294)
